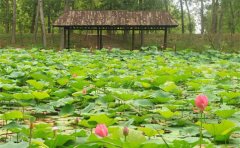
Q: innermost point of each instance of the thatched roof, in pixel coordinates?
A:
(115, 18)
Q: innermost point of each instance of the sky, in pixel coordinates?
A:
(194, 10)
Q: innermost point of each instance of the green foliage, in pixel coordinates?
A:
(150, 92)
(225, 113)
(41, 95)
(12, 115)
(36, 84)
(67, 110)
(221, 132)
(23, 96)
(168, 113)
(148, 131)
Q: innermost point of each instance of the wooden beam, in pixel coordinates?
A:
(133, 38)
(165, 38)
(118, 28)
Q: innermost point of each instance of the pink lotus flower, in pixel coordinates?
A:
(201, 102)
(101, 130)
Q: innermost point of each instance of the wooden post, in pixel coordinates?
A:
(98, 38)
(165, 38)
(101, 39)
(65, 34)
(133, 38)
(68, 39)
(142, 37)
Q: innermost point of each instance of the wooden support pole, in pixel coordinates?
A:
(98, 38)
(142, 38)
(133, 38)
(101, 39)
(165, 38)
(69, 31)
(65, 34)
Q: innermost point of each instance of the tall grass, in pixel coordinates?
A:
(225, 42)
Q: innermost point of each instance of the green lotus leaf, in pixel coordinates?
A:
(11, 115)
(225, 113)
(23, 96)
(102, 119)
(41, 95)
(63, 81)
(148, 131)
(220, 131)
(35, 84)
(67, 110)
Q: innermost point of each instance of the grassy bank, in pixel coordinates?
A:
(226, 42)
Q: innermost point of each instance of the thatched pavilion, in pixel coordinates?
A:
(114, 20)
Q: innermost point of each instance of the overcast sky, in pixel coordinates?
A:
(194, 10)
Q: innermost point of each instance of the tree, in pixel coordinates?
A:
(14, 19)
(36, 22)
(166, 5)
(214, 16)
(190, 28)
(7, 17)
(40, 5)
(53, 8)
(202, 16)
(35, 12)
(140, 5)
(232, 18)
(221, 13)
(182, 16)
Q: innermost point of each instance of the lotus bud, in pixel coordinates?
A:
(74, 75)
(125, 131)
(84, 91)
(77, 121)
(101, 130)
(55, 128)
(201, 102)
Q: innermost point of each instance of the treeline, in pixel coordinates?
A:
(213, 16)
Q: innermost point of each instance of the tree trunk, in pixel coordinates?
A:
(21, 32)
(182, 16)
(232, 18)
(32, 29)
(140, 5)
(166, 5)
(40, 2)
(66, 8)
(14, 22)
(202, 17)
(214, 16)
(49, 23)
(36, 23)
(220, 24)
(7, 17)
(189, 18)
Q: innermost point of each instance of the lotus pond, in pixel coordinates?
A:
(144, 99)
